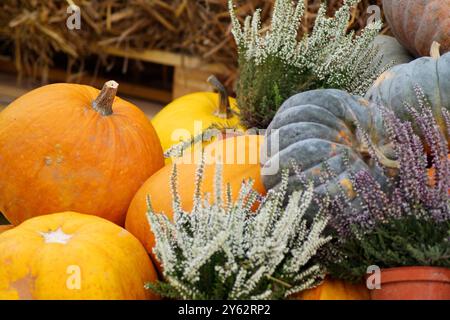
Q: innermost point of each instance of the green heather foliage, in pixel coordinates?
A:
(405, 241)
(275, 65)
(226, 251)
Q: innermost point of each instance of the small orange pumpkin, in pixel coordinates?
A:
(70, 147)
(244, 149)
(73, 256)
(332, 289)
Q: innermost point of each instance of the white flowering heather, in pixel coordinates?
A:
(225, 250)
(274, 64)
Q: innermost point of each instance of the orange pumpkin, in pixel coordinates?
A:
(67, 147)
(244, 166)
(332, 289)
(73, 256)
(4, 228)
(431, 176)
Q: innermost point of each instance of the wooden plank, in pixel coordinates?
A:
(125, 88)
(4, 228)
(187, 81)
(165, 58)
(10, 92)
(57, 75)
(190, 73)
(9, 89)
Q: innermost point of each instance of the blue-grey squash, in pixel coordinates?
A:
(396, 86)
(391, 51)
(316, 130)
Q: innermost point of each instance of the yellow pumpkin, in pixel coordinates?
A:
(5, 227)
(73, 256)
(332, 289)
(190, 115)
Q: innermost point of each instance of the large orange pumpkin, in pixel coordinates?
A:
(67, 147)
(73, 256)
(332, 289)
(417, 23)
(244, 166)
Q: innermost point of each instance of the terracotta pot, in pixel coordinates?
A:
(413, 283)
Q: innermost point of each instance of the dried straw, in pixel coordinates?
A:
(32, 31)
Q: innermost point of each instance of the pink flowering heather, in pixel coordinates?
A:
(406, 222)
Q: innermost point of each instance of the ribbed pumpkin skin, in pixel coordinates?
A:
(391, 50)
(332, 289)
(417, 23)
(158, 185)
(58, 154)
(110, 262)
(396, 86)
(181, 114)
(316, 127)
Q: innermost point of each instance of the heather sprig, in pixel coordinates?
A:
(224, 250)
(274, 64)
(406, 223)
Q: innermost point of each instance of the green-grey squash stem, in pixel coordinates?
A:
(435, 50)
(104, 102)
(385, 161)
(224, 103)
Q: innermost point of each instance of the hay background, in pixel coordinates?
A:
(32, 31)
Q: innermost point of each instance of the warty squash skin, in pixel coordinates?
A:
(61, 150)
(192, 114)
(72, 256)
(318, 127)
(332, 289)
(158, 186)
(396, 86)
(417, 23)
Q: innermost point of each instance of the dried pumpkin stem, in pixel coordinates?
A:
(435, 50)
(224, 103)
(104, 102)
(385, 161)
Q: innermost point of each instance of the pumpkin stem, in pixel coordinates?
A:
(104, 101)
(224, 103)
(435, 50)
